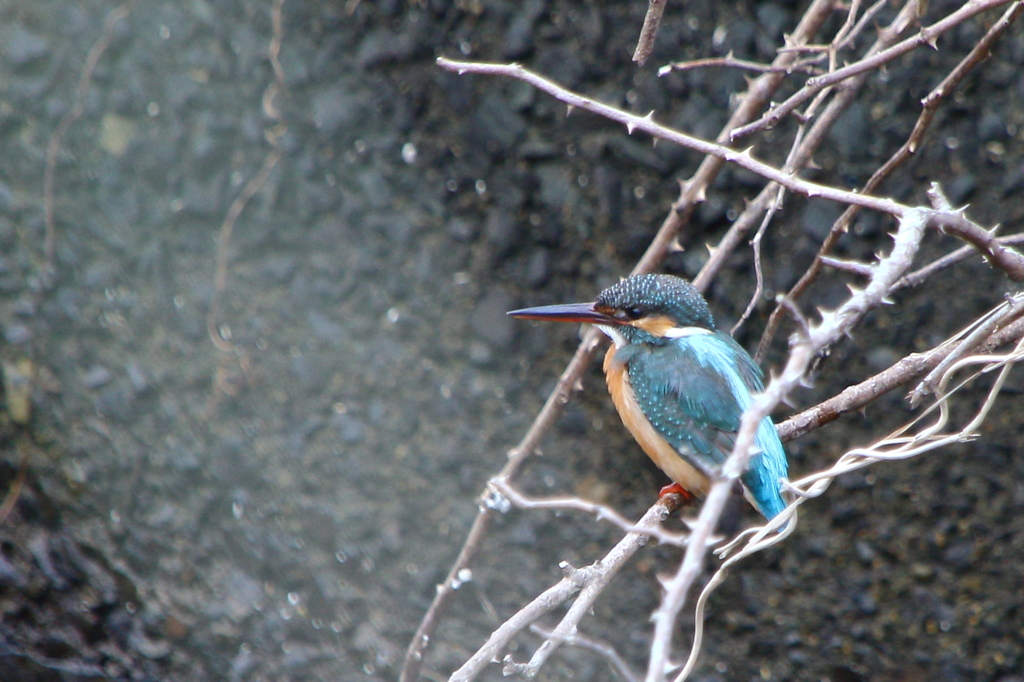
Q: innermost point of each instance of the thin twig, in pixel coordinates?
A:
(602, 512)
(930, 106)
(220, 340)
(843, 42)
(927, 36)
(847, 266)
(743, 159)
(603, 649)
(917, 277)
(575, 580)
(955, 222)
(1010, 313)
(731, 62)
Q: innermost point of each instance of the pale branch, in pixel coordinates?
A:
(954, 222)
(545, 418)
(550, 599)
(803, 349)
(853, 267)
(926, 36)
(930, 106)
(603, 649)
(652, 20)
(800, 155)
(582, 606)
(729, 61)
(602, 512)
(632, 122)
(917, 277)
(575, 580)
(1007, 314)
(851, 28)
(901, 373)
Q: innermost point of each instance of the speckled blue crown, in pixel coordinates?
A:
(660, 295)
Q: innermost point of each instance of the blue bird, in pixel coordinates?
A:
(679, 384)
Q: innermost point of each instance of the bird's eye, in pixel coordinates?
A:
(634, 313)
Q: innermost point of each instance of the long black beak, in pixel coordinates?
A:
(566, 312)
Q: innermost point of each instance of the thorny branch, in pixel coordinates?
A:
(930, 106)
(587, 581)
(948, 220)
(928, 36)
(501, 487)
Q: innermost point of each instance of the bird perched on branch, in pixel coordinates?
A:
(680, 385)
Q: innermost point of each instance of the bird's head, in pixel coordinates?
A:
(639, 309)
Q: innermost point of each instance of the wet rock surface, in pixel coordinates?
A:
(283, 511)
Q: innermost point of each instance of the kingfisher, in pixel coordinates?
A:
(679, 384)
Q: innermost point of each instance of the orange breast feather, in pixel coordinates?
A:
(656, 447)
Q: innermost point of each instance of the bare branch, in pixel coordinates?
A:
(847, 266)
(502, 487)
(918, 276)
(576, 580)
(954, 222)
(547, 416)
(743, 159)
(604, 649)
(731, 62)
(927, 36)
(652, 20)
(930, 106)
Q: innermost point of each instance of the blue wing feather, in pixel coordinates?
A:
(694, 391)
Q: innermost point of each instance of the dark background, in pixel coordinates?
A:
(295, 530)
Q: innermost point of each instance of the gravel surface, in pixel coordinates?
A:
(284, 510)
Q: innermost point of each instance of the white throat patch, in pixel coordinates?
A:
(681, 332)
(618, 339)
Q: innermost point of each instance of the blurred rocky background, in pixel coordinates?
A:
(283, 512)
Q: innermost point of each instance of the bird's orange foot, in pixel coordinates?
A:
(687, 496)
